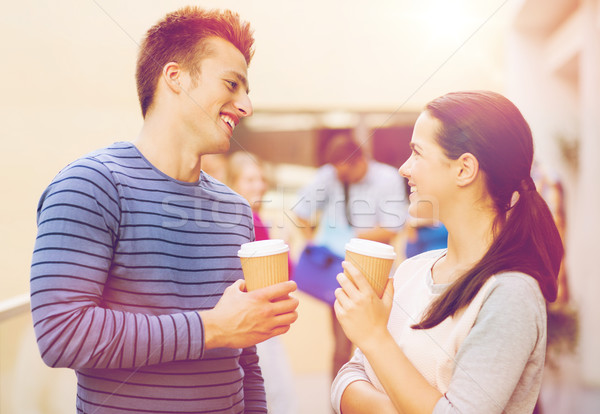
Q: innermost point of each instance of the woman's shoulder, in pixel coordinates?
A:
(517, 285)
(515, 295)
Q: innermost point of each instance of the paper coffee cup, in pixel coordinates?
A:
(373, 259)
(264, 263)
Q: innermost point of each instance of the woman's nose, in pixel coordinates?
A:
(404, 169)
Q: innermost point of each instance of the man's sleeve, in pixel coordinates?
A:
(78, 226)
(255, 399)
(506, 345)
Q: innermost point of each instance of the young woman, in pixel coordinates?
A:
(459, 330)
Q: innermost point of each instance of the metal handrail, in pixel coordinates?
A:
(14, 306)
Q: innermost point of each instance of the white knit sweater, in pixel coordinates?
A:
(486, 359)
(432, 351)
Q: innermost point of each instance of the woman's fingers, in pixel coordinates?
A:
(347, 285)
(342, 297)
(358, 277)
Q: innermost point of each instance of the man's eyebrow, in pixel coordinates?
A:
(240, 78)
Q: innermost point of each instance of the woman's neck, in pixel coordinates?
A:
(470, 235)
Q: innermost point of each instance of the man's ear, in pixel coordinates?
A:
(172, 75)
(467, 169)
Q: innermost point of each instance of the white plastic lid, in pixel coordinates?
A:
(371, 248)
(263, 248)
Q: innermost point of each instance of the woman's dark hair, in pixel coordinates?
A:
(492, 128)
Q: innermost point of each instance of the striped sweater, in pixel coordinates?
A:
(124, 258)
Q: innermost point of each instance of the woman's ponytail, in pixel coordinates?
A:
(530, 219)
(526, 239)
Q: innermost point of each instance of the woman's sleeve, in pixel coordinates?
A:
(353, 370)
(503, 354)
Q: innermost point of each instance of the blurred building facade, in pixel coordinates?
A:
(553, 75)
(298, 137)
(86, 99)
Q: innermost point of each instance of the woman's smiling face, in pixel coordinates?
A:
(428, 170)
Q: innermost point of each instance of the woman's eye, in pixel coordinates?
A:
(232, 84)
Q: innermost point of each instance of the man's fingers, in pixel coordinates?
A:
(282, 321)
(286, 319)
(279, 330)
(285, 305)
(239, 284)
(278, 290)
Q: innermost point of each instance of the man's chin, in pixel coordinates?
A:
(223, 148)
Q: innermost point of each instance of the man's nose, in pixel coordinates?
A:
(244, 105)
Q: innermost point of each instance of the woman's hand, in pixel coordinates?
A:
(364, 318)
(361, 313)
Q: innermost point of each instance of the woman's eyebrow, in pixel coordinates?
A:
(415, 146)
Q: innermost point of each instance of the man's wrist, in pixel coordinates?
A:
(213, 337)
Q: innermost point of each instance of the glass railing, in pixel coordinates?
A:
(27, 385)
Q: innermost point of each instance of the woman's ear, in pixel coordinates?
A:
(468, 169)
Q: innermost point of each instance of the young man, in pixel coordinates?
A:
(135, 279)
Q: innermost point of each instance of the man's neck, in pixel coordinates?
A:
(161, 143)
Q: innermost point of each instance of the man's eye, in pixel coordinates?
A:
(232, 84)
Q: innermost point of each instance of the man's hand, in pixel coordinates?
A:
(241, 319)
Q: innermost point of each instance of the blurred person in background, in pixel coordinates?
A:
(350, 196)
(134, 283)
(462, 329)
(245, 174)
(425, 232)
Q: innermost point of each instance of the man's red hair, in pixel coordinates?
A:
(180, 37)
